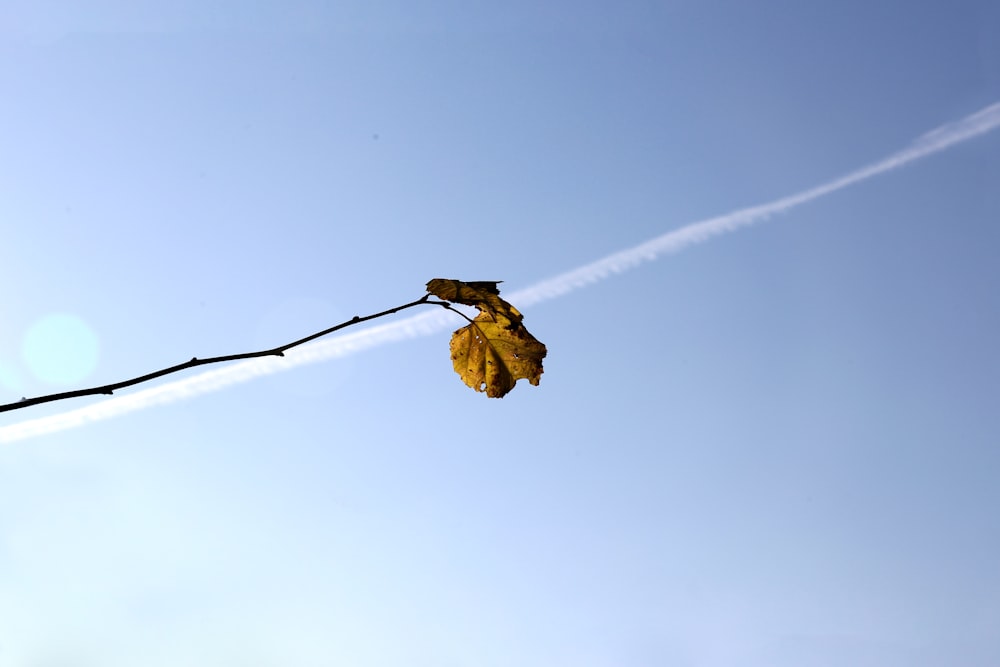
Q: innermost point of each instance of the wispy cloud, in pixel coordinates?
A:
(932, 142)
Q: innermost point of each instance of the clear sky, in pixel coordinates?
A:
(777, 448)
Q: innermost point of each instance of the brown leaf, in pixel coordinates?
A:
(483, 295)
(495, 350)
(457, 291)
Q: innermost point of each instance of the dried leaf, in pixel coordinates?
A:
(495, 350)
(483, 295)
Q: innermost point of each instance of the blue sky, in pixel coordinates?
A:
(776, 448)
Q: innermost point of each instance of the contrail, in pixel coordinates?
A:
(932, 142)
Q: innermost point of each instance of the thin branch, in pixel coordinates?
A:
(195, 361)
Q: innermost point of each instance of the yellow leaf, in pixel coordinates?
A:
(495, 350)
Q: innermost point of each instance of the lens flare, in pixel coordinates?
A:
(60, 349)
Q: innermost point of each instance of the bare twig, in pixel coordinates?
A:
(195, 361)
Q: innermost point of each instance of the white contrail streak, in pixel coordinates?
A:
(936, 140)
(932, 142)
